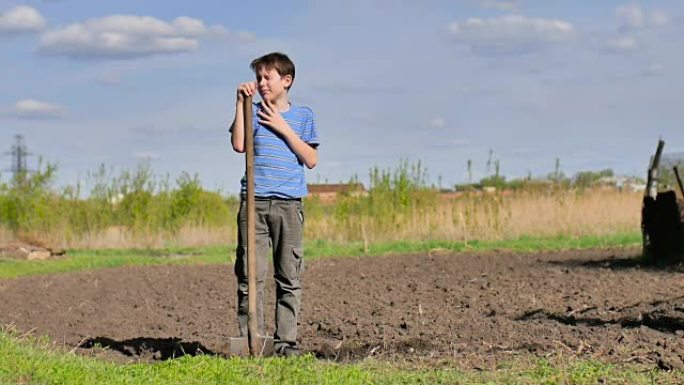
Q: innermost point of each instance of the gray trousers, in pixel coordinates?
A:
(279, 226)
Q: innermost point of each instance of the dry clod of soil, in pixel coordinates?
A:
(19, 250)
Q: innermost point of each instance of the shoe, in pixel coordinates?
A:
(288, 351)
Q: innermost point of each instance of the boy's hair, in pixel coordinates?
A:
(275, 60)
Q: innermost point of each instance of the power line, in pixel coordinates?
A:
(19, 153)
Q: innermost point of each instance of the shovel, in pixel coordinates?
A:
(254, 345)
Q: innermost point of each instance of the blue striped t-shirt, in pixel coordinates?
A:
(277, 170)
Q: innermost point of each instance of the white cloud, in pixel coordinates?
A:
(459, 142)
(109, 79)
(510, 33)
(448, 144)
(35, 109)
(653, 70)
(633, 19)
(622, 44)
(658, 18)
(244, 36)
(352, 87)
(150, 129)
(437, 122)
(632, 16)
(146, 156)
(130, 36)
(502, 5)
(21, 19)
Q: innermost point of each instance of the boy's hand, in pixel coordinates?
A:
(245, 90)
(270, 116)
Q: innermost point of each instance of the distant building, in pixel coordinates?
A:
(630, 184)
(489, 189)
(608, 181)
(328, 193)
(636, 187)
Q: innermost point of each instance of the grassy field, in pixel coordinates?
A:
(37, 360)
(25, 360)
(94, 259)
(135, 219)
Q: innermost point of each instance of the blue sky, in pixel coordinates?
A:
(122, 82)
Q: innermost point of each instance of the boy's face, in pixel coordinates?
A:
(271, 85)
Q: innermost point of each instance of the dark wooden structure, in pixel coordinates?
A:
(662, 218)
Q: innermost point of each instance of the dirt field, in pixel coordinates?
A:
(469, 311)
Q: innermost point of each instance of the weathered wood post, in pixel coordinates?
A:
(650, 194)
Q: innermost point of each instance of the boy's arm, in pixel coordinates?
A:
(304, 151)
(237, 129)
(270, 116)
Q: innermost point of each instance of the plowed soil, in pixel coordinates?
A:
(468, 310)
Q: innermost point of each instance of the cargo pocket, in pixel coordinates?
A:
(298, 261)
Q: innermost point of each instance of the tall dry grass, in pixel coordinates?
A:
(119, 237)
(6, 236)
(139, 210)
(493, 217)
(462, 219)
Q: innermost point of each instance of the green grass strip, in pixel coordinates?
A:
(95, 259)
(319, 248)
(34, 361)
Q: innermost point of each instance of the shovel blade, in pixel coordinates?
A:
(239, 346)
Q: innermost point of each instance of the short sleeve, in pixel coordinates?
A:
(310, 132)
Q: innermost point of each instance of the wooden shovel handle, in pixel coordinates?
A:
(254, 348)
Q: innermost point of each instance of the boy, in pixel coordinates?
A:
(285, 140)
